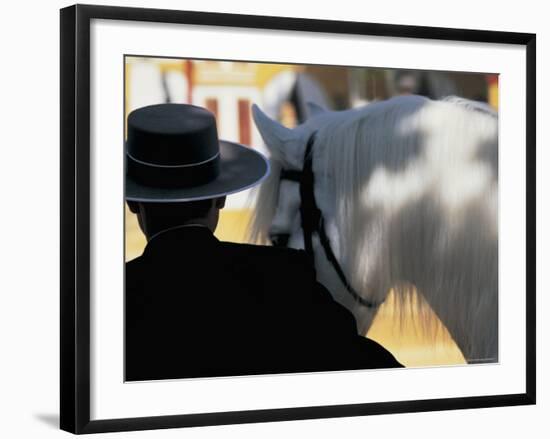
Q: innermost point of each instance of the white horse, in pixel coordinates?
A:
(408, 189)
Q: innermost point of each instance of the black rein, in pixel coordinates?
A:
(313, 221)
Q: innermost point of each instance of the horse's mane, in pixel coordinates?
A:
(267, 193)
(365, 153)
(266, 197)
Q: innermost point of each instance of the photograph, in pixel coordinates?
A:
(293, 218)
(266, 220)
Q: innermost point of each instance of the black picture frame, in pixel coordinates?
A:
(75, 217)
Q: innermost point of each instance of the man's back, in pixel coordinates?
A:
(196, 306)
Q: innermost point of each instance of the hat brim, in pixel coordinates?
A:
(240, 168)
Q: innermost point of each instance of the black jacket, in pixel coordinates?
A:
(198, 307)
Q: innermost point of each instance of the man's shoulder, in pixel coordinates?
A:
(288, 256)
(262, 248)
(134, 263)
(134, 271)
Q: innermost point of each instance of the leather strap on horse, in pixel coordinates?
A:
(313, 221)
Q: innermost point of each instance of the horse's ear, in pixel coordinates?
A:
(314, 109)
(280, 140)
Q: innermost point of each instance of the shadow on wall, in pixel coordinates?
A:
(49, 419)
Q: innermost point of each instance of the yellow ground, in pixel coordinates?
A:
(406, 340)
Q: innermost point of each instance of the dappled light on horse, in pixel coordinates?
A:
(407, 193)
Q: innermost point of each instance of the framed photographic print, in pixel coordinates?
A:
(273, 218)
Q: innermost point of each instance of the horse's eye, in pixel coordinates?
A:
(279, 239)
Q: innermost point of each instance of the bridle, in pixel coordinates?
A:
(312, 220)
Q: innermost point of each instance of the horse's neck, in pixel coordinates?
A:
(454, 267)
(428, 218)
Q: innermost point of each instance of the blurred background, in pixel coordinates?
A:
(228, 89)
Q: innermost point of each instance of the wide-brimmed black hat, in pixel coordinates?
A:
(173, 154)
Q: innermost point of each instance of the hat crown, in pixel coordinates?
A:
(172, 135)
(173, 154)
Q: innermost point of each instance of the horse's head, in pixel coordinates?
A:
(286, 146)
(277, 216)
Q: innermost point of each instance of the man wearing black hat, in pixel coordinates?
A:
(198, 307)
